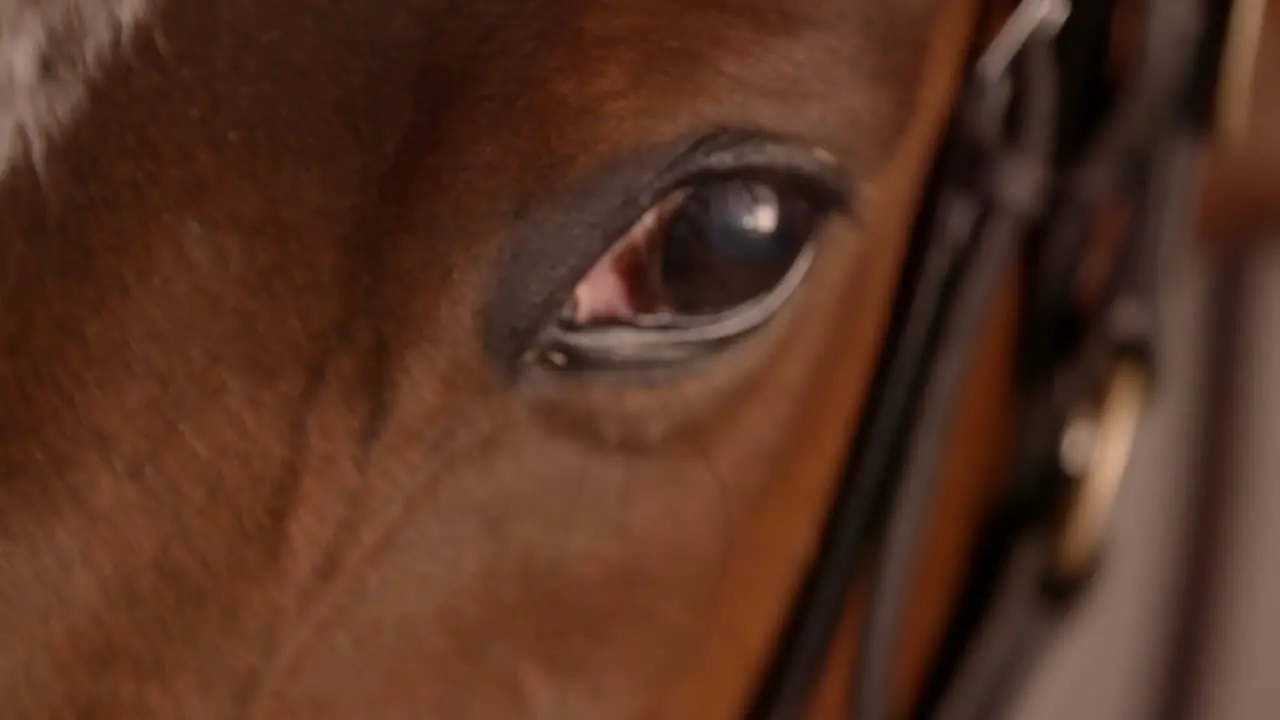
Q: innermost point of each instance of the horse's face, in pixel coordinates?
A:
(267, 436)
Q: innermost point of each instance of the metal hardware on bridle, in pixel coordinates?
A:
(1095, 452)
(1033, 17)
(1027, 167)
(1239, 63)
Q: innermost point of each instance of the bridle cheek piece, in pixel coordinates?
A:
(1044, 139)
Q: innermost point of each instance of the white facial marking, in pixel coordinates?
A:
(49, 51)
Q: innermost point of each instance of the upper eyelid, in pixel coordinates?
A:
(770, 155)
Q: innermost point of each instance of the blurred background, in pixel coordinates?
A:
(1184, 624)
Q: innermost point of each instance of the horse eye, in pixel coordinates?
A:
(704, 267)
(703, 250)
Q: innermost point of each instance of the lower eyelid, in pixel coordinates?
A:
(667, 339)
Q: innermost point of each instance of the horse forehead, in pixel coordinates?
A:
(49, 51)
(586, 79)
(642, 52)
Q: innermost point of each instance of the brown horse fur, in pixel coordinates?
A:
(254, 461)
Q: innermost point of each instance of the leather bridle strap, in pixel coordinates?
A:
(1028, 165)
(1083, 376)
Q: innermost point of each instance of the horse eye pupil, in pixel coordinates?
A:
(729, 242)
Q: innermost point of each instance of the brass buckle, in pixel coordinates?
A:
(1095, 451)
(1239, 71)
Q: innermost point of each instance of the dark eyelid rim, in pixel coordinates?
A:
(810, 166)
(557, 242)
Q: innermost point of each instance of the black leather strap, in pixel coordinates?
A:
(1038, 145)
(1138, 154)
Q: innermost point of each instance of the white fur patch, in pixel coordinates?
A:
(49, 51)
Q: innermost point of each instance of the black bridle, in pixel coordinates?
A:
(1043, 140)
